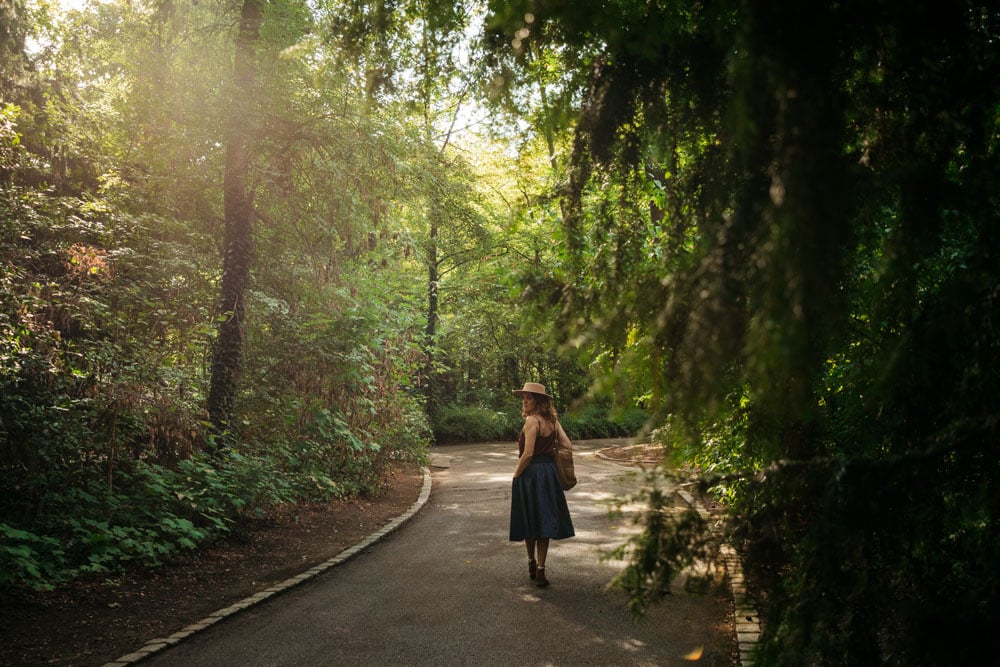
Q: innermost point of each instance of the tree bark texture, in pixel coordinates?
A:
(227, 356)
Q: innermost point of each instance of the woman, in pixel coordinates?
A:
(538, 510)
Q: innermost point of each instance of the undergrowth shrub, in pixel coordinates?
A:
(471, 423)
(150, 516)
(328, 390)
(595, 421)
(462, 423)
(331, 459)
(27, 557)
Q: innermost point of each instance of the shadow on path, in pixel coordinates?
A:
(447, 588)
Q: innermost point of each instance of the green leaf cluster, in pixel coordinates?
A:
(782, 219)
(111, 197)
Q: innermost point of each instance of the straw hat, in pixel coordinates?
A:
(531, 388)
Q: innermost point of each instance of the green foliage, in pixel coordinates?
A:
(346, 456)
(784, 214)
(152, 515)
(596, 421)
(464, 423)
(471, 423)
(671, 541)
(27, 557)
(108, 272)
(332, 392)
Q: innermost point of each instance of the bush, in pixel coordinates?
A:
(595, 421)
(471, 423)
(151, 515)
(465, 423)
(27, 557)
(332, 459)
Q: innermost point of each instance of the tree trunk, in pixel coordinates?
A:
(430, 333)
(227, 355)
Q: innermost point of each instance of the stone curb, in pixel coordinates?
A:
(746, 618)
(641, 462)
(156, 645)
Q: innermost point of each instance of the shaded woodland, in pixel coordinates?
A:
(252, 252)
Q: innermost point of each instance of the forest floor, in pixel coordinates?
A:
(97, 621)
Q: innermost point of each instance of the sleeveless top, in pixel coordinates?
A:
(544, 445)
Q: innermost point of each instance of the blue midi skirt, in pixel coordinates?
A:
(538, 507)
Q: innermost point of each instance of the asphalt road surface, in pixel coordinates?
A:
(448, 588)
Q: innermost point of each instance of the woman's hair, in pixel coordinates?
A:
(544, 408)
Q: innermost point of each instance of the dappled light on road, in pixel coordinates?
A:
(450, 588)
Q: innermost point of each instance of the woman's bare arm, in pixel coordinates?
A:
(530, 434)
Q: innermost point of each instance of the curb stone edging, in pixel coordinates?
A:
(746, 618)
(640, 462)
(161, 643)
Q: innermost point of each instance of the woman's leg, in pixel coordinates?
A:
(532, 565)
(543, 550)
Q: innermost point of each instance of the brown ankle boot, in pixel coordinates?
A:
(540, 579)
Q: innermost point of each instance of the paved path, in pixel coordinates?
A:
(447, 588)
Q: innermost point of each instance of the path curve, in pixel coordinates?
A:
(447, 588)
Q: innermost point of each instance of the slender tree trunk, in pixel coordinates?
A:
(430, 332)
(227, 357)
